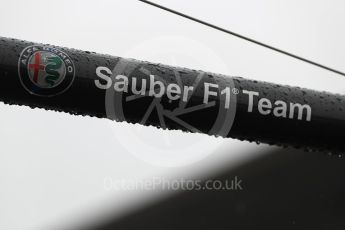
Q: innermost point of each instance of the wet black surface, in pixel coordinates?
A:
(323, 132)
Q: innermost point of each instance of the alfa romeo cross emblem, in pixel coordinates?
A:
(45, 70)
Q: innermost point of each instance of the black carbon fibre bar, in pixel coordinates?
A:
(86, 83)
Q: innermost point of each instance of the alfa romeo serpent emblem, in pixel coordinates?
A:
(45, 70)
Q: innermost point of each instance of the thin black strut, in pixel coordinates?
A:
(244, 37)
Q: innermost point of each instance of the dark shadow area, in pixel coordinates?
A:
(284, 189)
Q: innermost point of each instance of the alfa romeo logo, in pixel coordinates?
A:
(45, 71)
